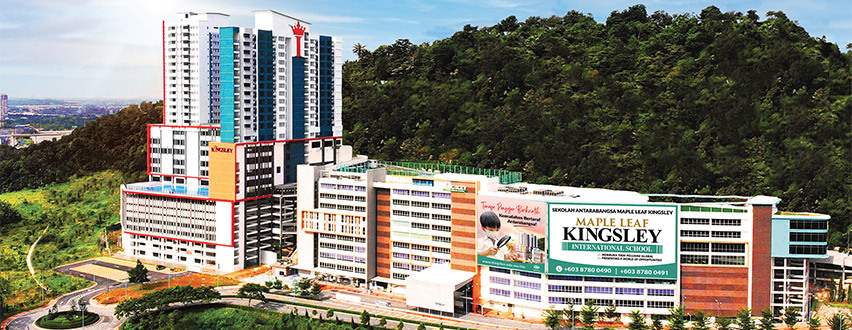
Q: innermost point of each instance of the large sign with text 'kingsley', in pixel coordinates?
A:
(613, 240)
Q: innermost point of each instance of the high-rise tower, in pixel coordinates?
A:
(242, 107)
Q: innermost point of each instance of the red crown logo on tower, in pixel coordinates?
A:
(298, 29)
(298, 32)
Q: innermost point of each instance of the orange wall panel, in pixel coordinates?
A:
(223, 170)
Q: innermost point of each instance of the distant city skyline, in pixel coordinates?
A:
(112, 49)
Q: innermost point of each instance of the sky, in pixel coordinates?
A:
(112, 48)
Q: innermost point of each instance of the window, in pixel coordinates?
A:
(499, 292)
(419, 204)
(598, 289)
(727, 222)
(441, 206)
(419, 193)
(399, 276)
(400, 255)
(418, 225)
(660, 304)
(400, 192)
(420, 215)
(420, 247)
(564, 301)
(807, 249)
(420, 258)
(694, 221)
(441, 228)
(399, 265)
(527, 285)
(661, 292)
(694, 233)
(630, 291)
(808, 224)
(689, 259)
(401, 213)
(441, 195)
(527, 274)
(527, 296)
(441, 239)
(728, 260)
(808, 237)
(421, 182)
(564, 278)
(442, 250)
(500, 270)
(729, 247)
(727, 234)
(565, 288)
(441, 217)
(500, 280)
(694, 247)
(400, 202)
(629, 303)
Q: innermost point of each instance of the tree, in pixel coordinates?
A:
(159, 300)
(383, 322)
(838, 321)
(568, 312)
(422, 326)
(253, 291)
(677, 319)
(791, 316)
(588, 314)
(657, 322)
(637, 321)
(329, 313)
(365, 317)
(849, 291)
(815, 323)
(768, 319)
(723, 323)
(610, 313)
(303, 287)
(552, 318)
(138, 274)
(316, 289)
(699, 321)
(744, 319)
(841, 293)
(400, 325)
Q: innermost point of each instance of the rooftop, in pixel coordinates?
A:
(429, 170)
(168, 188)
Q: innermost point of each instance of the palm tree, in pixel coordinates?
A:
(360, 50)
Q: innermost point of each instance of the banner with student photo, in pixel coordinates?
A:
(510, 233)
(612, 240)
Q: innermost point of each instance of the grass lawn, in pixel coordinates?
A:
(216, 316)
(195, 280)
(66, 320)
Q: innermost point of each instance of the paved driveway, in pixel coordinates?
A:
(102, 284)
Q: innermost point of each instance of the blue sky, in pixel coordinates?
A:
(111, 48)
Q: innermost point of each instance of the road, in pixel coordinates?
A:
(101, 285)
(108, 321)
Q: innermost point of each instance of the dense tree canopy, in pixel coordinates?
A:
(713, 103)
(112, 142)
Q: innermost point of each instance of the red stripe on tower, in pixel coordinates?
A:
(298, 31)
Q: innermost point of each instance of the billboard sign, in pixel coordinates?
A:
(510, 233)
(613, 240)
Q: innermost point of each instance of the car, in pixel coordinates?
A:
(161, 267)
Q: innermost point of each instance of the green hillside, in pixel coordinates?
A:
(711, 103)
(112, 142)
(78, 212)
